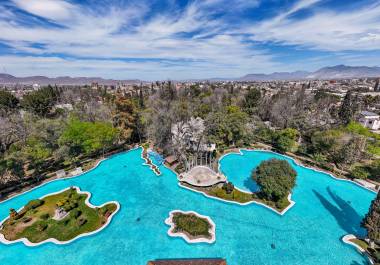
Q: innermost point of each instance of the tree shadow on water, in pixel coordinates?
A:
(358, 263)
(346, 216)
(251, 185)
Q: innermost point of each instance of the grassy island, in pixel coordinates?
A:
(236, 195)
(276, 179)
(60, 217)
(191, 226)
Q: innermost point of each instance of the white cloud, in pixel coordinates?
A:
(175, 43)
(324, 30)
(114, 35)
(51, 9)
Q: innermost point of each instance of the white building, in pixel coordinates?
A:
(36, 86)
(370, 120)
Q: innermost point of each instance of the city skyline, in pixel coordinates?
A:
(184, 39)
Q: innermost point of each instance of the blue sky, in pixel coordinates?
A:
(151, 39)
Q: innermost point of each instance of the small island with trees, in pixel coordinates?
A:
(276, 179)
(59, 218)
(191, 226)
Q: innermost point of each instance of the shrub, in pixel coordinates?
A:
(285, 140)
(42, 227)
(82, 221)
(359, 173)
(276, 179)
(228, 187)
(34, 204)
(76, 213)
(44, 216)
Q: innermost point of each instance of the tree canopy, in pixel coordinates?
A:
(88, 137)
(276, 178)
(284, 140)
(7, 101)
(40, 102)
(371, 221)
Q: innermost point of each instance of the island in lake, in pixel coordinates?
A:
(59, 218)
(191, 226)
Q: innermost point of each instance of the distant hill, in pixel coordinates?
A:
(325, 73)
(275, 76)
(62, 80)
(333, 72)
(344, 71)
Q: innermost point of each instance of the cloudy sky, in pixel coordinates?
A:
(161, 39)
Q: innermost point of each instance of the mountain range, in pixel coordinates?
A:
(7, 79)
(325, 73)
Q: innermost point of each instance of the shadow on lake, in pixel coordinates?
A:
(345, 215)
(251, 185)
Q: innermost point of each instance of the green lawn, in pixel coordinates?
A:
(244, 197)
(191, 224)
(36, 224)
(360, 243)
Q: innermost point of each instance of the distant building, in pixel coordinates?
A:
(66, 106)
(36, 86)
(370, 120)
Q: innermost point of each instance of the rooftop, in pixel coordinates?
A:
(368, 113)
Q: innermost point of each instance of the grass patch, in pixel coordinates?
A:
(361, 243)
(36, 224)
(241, 197)
(235, 195)
(191, 224)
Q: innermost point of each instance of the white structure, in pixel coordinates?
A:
(66, 106)
(370, 120)
(202, 176)
(76, 171)
(36, 86)
(61, 173)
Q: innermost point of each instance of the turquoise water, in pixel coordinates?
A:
(309, 233)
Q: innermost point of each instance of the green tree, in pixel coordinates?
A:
(276, 178)
(285, 140)
(348, 108)
(88, 137)
(124, 117)
(227, 127)
(326, 142)
(8, 101)
(351, 151)
(371, 221)
(251, 100)
(40, 102)
(359, 173)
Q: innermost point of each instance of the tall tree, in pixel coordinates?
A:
(276, 179)
(40, 102)
(371, 221)
(7, 101)
(348, 108)
(251, 100)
